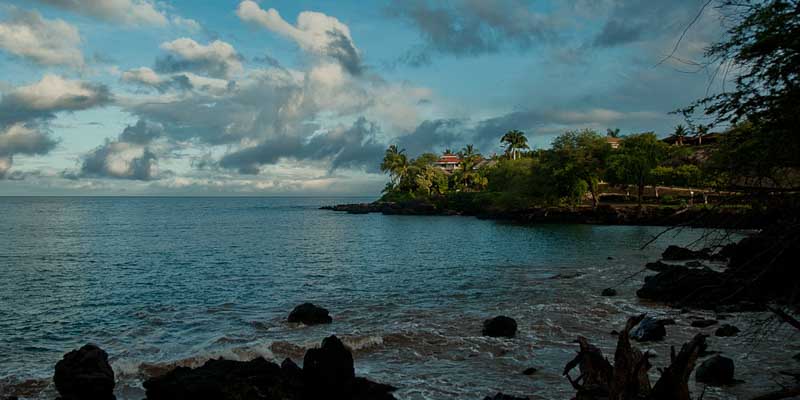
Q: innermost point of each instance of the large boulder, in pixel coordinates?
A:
(649, 329)
(216, 379)
(677, 253)
(680, 284)
(309, 314)
(500, 326)
(329, 365)
(717, 370)
(85, 374)
(327, 373)
(609, 292)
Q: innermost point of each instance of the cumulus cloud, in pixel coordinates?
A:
(52, 94)
(315, 32)
(130, 156)
(472, 27)
(25, 113)
(128, 12)
(217, 59)
(28, 35)
(120, 160)
(146, 77)
(353, 146)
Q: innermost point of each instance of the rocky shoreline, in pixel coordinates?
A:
(730, 218)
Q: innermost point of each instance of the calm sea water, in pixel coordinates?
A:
(160, 282)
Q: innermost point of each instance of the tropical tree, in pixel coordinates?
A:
(514, 141)
(582, 155)
(467, 178)
(702, 131)
(614, 133)
(680, 133)
(635, 161)
(395, 163)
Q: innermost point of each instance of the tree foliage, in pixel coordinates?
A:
(582, 155)
(635, 161)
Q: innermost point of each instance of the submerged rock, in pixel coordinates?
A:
(704, 323)
(327, 373)
(609, 292)
(649, 329)
(530, 371)
(500, 326)
(717, 370)
(85, 374)
(310, 314)
(726, 330)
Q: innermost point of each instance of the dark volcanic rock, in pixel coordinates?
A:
(659, 266)
(310, 314)
(717, 370)
(797, 357)
(648, 330)
(500, 326)
(704, 323)
(529, 371)
(726, 330)
(330, 364)
(501, 396)
(85, 374)
(679, 283)
(609, 292)
(677, 253)
(327, 374)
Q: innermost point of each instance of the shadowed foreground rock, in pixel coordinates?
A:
(500, 326)
(327, 373)
(84, 374)
(627, 378)
(717, 370)
(501, 396)
(310, 314)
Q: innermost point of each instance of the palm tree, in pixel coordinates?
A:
(468, 151)
(395, 163)
(702, 130)
(514, 141)
(614, 133)
(680, 133)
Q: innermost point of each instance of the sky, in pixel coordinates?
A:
(292, 97)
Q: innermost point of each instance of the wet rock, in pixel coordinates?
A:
(694, 264)
(85, 374)
(717, 370)
(501, 396)
(330, 364)
(677, 253)
(530, 371)
(500, 326)
(680, 284)
(327, 373)
(649, 329)
(609, 292)
(797, 357)
(659, 266)
(609, 258)
(667, 321)
(726, 331)
(704, 323)
(310, 314)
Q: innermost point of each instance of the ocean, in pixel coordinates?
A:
(161, 282)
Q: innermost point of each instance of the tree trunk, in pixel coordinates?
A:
(641, 194)
(655, 189)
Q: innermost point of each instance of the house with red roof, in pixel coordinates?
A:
(448, 162)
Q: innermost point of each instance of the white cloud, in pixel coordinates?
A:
(128, 12)
(187, 23)
(218, 59)
(315, 32)
(142, 75)
(45, 41)
(56, 93)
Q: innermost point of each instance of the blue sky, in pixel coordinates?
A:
(180, 97)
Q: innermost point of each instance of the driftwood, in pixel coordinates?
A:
(628, 378)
